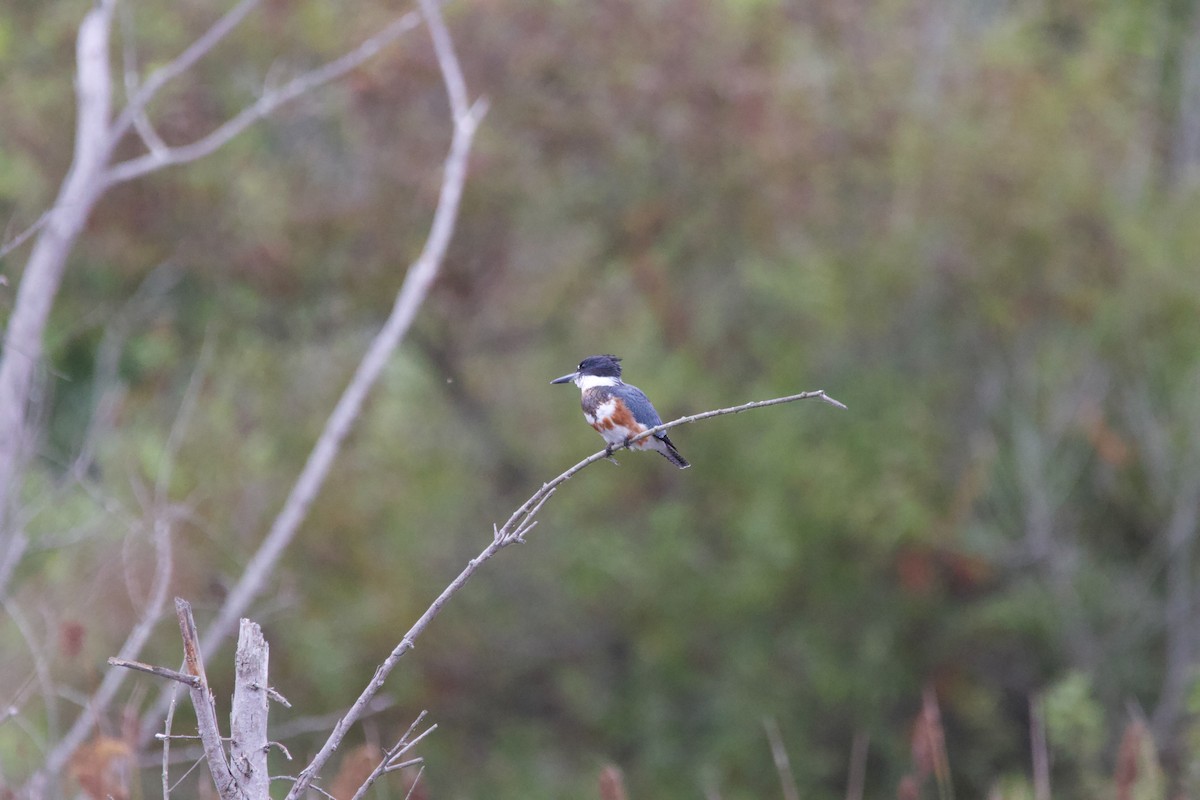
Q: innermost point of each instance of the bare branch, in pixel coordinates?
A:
(182, 63)
(205, 705)
(140, 121)
(248, 720)
(20, 357)
(402, 746)
(525, 513)
(413, 291)
(416, 780)
(267, 102)
(519, 522)
(93, 86)
(456, 87)
(783, 765)
(24, 235)
(159, 672)
(322, 722)
(166, 754)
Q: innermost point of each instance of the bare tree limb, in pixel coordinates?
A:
(248, 719)
(409, 299)
(520, 522)
(517, 523)
(91, 175)
(39, 283)
(164, 156)
(783, 765)
(181, 64)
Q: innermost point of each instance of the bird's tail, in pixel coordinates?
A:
(671, 454)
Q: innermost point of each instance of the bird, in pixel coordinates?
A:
(618, 410)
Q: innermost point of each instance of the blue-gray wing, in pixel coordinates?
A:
(638, 405)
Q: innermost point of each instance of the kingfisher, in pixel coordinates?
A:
(618, 410)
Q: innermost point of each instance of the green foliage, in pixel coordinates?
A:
(1075, 724)
(960, 221)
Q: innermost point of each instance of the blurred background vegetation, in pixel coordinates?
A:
(975, 223)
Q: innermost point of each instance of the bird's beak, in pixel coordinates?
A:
(565, 378)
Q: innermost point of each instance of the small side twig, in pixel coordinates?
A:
(165, 156)
(24, 235)
(166, 747)
(390, 761)
(191, 681)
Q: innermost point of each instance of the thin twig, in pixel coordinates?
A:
(13, 551)
(401, 746)
(183, 777)
(416, 780)
(166, 754)
(160, 672)
(783, 765)
(41, 666)
(265, 104)
(858, 766)
(181, 64)
(24, 235)
(129, 51)
(322, 722)
(106, 366)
